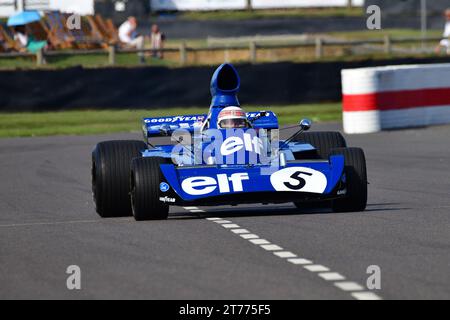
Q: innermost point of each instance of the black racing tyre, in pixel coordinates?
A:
(145, 180)
(356, 181)
(111, 161)
(324, 142)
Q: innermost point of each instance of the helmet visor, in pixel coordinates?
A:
(233, 123)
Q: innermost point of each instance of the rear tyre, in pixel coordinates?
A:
(356, 181)
(111, 162)
(324, 142)
(145, 180)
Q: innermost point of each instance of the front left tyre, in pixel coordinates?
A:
(324, 142)
(145, 182)
(355, 180)
(111, 161)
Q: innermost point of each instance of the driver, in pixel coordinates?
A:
(232, 118)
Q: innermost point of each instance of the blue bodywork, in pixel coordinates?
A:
(194, 180)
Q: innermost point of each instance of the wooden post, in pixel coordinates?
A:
(319, 48)
(226, 56)
(249, 5)
(387, 44)
(183, 53)
(40, 61)
(112, 55)
(253, 53)
(349, 4)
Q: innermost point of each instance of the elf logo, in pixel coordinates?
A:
(198, 186)
(235, 144)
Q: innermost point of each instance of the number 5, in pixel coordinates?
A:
(301, 182)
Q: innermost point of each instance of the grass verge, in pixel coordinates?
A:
(110, 121)
(87, 61)
(273, 13)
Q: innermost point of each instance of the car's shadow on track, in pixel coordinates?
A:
(231, 212)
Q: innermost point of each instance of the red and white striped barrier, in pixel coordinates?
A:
(395, 97)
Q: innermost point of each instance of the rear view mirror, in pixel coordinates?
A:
(305, 124)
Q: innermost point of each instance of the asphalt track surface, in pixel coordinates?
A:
(48, 222)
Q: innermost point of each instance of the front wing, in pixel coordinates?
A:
(215, 185)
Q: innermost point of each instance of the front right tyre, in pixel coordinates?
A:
(111, 162)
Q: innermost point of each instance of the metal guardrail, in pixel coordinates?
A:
(318, 43)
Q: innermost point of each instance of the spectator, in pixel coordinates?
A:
(129, 36)
(445, 43)
(157, 41)
(3, 45)
(28, 42)
(21, 38)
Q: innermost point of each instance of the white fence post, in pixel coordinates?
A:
(40, 60)
(20, 6)
(183, 53)
(319, 48)
(253, 53)
(112, 55)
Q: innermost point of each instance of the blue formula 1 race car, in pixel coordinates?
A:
(226, 157)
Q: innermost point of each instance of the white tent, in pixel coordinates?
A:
(9, 7)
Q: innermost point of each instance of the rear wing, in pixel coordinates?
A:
(269, 121)
(153, 126)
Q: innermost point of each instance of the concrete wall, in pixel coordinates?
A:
(380, 98)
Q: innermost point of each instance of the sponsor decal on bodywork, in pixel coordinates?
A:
(192, 182)
(167, 200)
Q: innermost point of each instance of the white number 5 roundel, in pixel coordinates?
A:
(299, 179)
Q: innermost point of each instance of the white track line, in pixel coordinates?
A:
(300, 261)
(271, 247)
(230, 226)
(259, 241)
(331, 276)
(316, 268)
(221, 221)
(349, 286)
(285, 254)
(355, 289)
(365, 296)
(240, 231)
(249, 236)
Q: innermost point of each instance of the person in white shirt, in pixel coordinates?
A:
(445, 43)
(128, 36)
(157, 42)
(20, 36)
